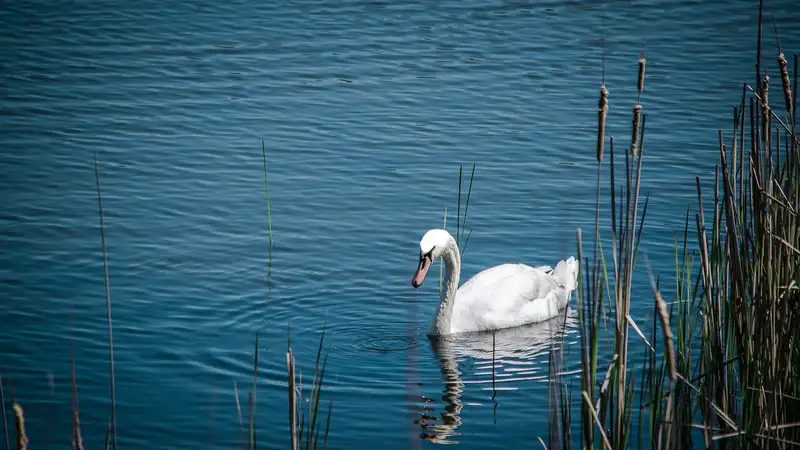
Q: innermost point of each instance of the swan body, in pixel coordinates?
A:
(504, 296)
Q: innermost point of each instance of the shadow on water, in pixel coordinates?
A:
(500, 360)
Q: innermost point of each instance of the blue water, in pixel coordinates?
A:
(367, 109)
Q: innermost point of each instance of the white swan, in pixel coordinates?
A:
(503, 296)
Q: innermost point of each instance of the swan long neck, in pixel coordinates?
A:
(452, 263)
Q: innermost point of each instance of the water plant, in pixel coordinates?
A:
(720, 364)
(461, 222)
(112, 432)
(461, 225)
(299, 428)
(269, 210)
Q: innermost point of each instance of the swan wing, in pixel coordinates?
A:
(507, 295)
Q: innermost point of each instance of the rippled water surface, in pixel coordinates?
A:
(366, 109)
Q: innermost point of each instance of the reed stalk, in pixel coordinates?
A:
(461, 225)
(19, 421)
(441, 265)
(77, 438)
(108, 307)
(269, 210)
(290, 365)
(108, 436)
(252, 400)
(5, 417)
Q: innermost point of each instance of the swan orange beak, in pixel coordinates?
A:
(422, 270)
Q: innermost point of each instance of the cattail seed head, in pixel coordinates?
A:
(765, 92)
(637, 115)
(665, 327)
(642, 62)
(22, 437)
(602, 113)
(787, 90)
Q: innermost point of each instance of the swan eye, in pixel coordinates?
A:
(428, 255)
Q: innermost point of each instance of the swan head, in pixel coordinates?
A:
(431, 247)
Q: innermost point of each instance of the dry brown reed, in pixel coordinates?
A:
(602, 115)
(592, 411)
(787, 88)
(663, 316)
(19, 422)
(77, 439)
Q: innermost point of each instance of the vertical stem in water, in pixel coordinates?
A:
(3, 406)
(113, 427)
(458, 205)
(269, 210)
(441, 264)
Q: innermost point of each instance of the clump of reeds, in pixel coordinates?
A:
(606, 407)
(737, 298)
(746, 379)
(749, 279)
(311, 433)
(304, 431)
(300, 425)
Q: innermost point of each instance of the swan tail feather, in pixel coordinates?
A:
(566, 272)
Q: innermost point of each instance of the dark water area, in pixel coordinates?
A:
(366, 109)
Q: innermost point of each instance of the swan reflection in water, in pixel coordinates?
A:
(518, 355)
